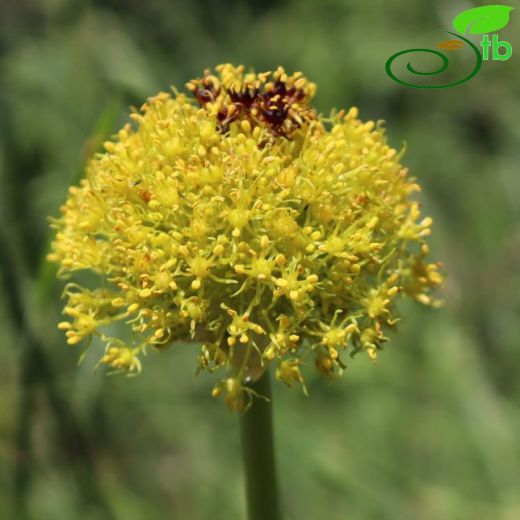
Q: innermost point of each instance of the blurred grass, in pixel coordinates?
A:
(429, 433)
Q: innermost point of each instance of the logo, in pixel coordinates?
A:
(477, 21)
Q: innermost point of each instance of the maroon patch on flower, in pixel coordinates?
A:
(273, 106)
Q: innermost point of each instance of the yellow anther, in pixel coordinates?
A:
(145, 293)
(218, 250)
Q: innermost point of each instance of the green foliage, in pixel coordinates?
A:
(429, 433)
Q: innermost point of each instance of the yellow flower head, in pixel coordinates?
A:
(238, 218)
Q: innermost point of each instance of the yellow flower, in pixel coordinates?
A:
(237, 217)
(289, 372)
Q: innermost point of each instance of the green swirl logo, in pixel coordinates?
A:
(480, 20)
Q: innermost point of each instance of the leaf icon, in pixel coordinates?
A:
(450, 45)
(480, 20)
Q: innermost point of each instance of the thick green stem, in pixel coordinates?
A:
(258, 454)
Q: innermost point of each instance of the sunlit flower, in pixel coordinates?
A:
(238, 218)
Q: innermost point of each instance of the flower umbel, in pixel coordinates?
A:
(239, 218)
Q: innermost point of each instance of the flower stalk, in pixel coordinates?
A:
(258, 455)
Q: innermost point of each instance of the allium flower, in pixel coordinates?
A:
(239, 218)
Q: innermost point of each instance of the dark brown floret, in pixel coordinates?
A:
(206, 92)
(273, 104)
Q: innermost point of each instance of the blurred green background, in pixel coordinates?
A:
(431, 432)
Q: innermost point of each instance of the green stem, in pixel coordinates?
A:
(258, 454)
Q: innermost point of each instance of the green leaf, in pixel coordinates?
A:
(480, 20)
